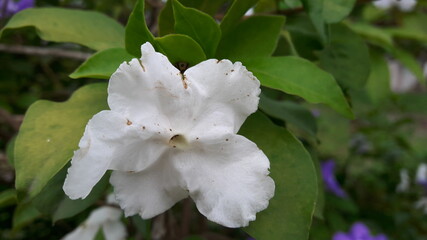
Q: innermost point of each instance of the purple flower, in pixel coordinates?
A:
(10, 7)
(358, 231)
(329, 179)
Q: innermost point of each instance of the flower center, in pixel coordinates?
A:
(178, 141)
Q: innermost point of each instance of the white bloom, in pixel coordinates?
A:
(421, 177)
(404, 183)
(403, 5)
(107, 218)
(170, 135)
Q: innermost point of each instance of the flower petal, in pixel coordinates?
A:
(110, 141)
(114, 230)
(228, 179)
(102, 215)
(221, 86)
(146, 88)
(149, 192)
(82, 232)
(341, 236)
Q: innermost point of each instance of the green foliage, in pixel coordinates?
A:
(256, 36)
(86, 28)
(336, 10)
(181, 48)
(234, 14)
(49, 135)
(289, 112)
(346, 57)
(197, 25)
(137, 31)
(299, 77)
(102, 64)
(290, 211)
(7, 198)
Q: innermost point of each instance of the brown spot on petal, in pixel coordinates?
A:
(218, 61)
(129, 122)
(143, 127)
(184, 80)
(226, 139)
(232, 70)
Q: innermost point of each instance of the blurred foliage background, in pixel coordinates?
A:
(377, 56)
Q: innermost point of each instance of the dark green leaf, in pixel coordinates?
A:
(199, 26)
(336, 10)
(166, 18)
(346, 57)
(290, 211)
(181, 48)
(102, 64)
(314, 8)
(234, 13)
(87, 28)
(137, 32)
(289, 112)
(256, 36)
(49, 135)
(300, 77)
(25, 213)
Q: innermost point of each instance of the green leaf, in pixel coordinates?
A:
(87, 28)
(166, 18)
(290, 211)
(53, 201)
(378, 85)
(336, 10)
(413, 103)
(234, 13)
(102, 64)
(374, 35)
(314, 8)
(137, 32)
(49, 135)
(346, 57)
(256, 36)
(25, 213)
(8, 198)
(197, 25)
(181, 48)
(289, 112)
(300, 77)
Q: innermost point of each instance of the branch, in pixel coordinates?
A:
(55, 52)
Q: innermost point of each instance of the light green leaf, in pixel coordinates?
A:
(378, 85)
(256, 36)
(234, 13)
(290, 211)
(137, 32)
(181, 48)
(346, 57)
(8, 198)
(336, 10)
(300, 77)
(408, 34)
(87, 28)
(374, 35)
(290, 112)
(102, 64)
(49, 135)
(197, 25)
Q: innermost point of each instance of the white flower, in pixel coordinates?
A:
(404, 183)
(107, 218)
(403, 5)
(170, 135)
